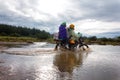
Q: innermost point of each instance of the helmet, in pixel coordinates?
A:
(63, 24)
(72, 26)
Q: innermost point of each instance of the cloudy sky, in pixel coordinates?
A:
(91, 17)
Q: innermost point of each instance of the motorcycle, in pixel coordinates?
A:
(71, 44)
(82, 44)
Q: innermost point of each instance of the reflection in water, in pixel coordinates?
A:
(40, 67)
(66, 62)
(21, 67)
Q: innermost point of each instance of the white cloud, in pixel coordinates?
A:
(53, 7)
(93, 27)
(91, 17)
(44, 28)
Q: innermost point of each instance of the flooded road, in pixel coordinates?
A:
(40, 62)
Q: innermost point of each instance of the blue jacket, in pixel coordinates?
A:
(62, 32)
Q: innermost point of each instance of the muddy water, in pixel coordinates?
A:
(40, 62)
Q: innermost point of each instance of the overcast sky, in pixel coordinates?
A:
(91, 17)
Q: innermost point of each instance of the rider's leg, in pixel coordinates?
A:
(76, 43)
(86, 45)
(57, 44)
(64, 43)
(81, 45)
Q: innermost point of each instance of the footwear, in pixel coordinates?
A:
(55, 49)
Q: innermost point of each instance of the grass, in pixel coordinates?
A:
(103, 42)
(17, 39)
(50, 40)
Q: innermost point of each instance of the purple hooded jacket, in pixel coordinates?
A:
(62, 32)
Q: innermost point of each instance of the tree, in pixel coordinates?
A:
(93, 38)
(10, 30)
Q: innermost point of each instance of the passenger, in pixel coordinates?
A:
(63, 34)
(71, 35)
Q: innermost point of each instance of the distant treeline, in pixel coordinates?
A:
(19, 31)
(103, 40)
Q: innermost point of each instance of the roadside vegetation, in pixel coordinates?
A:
(19, 31)
(102, 41)
(17, 39)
